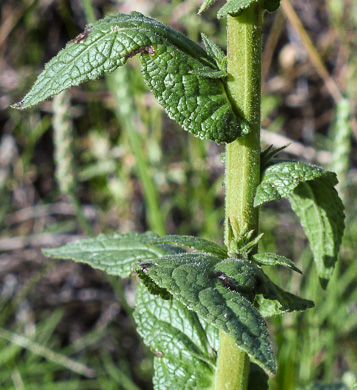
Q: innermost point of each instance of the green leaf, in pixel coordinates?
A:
(280, 179)
(249, 280)
(115, 254)
(266, 258)
(258, 379)
(169, 60)
(213, 50)
(206, 4)
(239, 276)
(198, 281)
(234, 7)
(241, 241)
(184, 359)
(271, 300)
(151, 286)
(321, 214)
(268, 154)
(211, 74)
(310, 191)
(197, 243)
(212, 334)
(271, 5)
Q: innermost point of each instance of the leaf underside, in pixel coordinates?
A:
(185, 346)
(249, 280)
(169, 61)
(184, 358)
(198, 281)
(267, 258)
(271, 300)
(216, 292)
(310, 190)
(321, 214)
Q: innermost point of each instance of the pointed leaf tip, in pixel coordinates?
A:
(116, 254)
(206, 4)
(271, 259)
(171, 65)
(192, 279)
(321, 214)
(185, 359)
(310, 190)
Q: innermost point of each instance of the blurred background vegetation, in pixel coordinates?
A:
(104, 157)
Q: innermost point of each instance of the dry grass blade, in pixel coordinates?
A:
(312, 52)
(271, 43)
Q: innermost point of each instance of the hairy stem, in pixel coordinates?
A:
(242, 163)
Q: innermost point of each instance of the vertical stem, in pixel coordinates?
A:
(242, 162)
(232, 366)
(243, 155)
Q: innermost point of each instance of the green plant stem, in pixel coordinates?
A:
(242, 162)
(232, 366)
